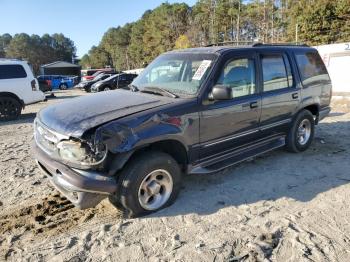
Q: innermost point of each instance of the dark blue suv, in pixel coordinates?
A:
(193, 111)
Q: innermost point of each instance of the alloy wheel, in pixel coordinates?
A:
(304, 131)
(155, 189)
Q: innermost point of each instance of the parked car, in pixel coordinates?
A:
(58, 81)
(18, 88)
(114, 82)
(193, 111)
(92, 73)
(86, 85)
(45, 85)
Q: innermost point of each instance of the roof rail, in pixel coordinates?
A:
(235, 43)
(281, 44)
(10, 59)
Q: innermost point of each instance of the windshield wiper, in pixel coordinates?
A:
(159, 90)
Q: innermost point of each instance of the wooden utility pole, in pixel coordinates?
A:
(212, 16)
(238, 21)
(265, 26)
(232, 25)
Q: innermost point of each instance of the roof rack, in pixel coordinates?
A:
(10, 59)
(281, 44)
(236, 43)
(255, 44)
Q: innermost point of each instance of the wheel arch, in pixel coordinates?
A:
(314, 109)
(4, 94)
(172, 147)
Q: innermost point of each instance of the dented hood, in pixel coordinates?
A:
(75, 116)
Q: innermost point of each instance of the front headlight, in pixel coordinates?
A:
(81, 153)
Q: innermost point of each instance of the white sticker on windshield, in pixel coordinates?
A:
(201, 70)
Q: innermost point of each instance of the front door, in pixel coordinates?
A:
(226, 124)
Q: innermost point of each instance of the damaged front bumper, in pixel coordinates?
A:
(84, 188)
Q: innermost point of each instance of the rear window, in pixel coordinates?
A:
(12, 71)
(312, 69)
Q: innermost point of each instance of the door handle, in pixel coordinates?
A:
(295, 95)
(254, 104)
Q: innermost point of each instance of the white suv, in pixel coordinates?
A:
(18, 88)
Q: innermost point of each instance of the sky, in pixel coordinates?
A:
(83, 21)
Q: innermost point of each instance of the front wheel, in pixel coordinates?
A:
(302, 132)
(148, 183)
(10, 108)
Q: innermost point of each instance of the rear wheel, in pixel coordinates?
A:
(147, 184)
(301, 134)
(10, 108)
(63, 86)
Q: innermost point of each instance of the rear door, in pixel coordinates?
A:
(226, 124)
(280, 94)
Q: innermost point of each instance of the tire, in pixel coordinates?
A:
(147, 184)
(107, 88)
(302, 132)
(10, 108)
(63, 86)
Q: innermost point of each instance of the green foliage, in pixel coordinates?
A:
(99, 57)
(37, 50)
(172, 26)
(85, 61)
(136, 44)
(182, 42)
(5, 40)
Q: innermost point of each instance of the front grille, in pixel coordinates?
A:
(46, 139)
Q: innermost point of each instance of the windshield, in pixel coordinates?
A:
(97, 73)
(181, 73)
(100, 76)
(111, 77)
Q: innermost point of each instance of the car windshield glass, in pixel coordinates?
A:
(97, 73)
(179, 73)
(99, 76)
(111, 77)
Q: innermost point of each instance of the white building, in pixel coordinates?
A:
(134, 71)
(337, 60)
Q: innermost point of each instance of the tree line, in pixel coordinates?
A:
(172, 26)
(37, 50)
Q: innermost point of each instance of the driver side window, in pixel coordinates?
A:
(239, 74)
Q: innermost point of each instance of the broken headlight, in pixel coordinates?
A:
(81, 153)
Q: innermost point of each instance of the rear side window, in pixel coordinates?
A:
(277, 73)
(312, 69)
(12, 71)
(122, 77)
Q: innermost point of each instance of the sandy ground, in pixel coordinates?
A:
(277, 207)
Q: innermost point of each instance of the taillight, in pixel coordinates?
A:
(33, 85)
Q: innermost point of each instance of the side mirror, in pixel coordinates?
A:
(220, 92)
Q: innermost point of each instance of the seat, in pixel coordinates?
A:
(239, 79)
